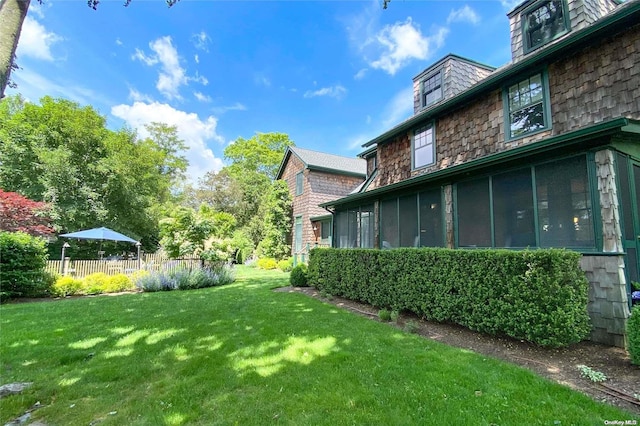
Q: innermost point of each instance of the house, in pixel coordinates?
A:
(542, 152)
(314, 178)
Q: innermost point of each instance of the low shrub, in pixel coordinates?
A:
(267, 263)
(67, 286)
(535, 295)
(185, 279)
(95, 283)
(118, 283)
(22, 261)
(384, 315)
(298, 277)
(633, 334)
(286, 265)
(394, 316)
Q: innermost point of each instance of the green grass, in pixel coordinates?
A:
(242, 354)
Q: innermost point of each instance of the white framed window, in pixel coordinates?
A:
(423, 149)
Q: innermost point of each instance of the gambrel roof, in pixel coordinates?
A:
(314, 160)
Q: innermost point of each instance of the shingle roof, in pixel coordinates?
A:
(328, 162)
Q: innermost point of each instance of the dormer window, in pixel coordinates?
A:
(544, 22)
(432, 89)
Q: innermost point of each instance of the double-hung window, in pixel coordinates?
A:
(544, 22)
(423, 147)
(432, 89)
(527, 106)
(299, 183)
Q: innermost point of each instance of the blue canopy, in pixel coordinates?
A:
(99, 234)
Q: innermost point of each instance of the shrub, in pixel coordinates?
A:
(67, 286)
(394, 316)
(298, 277)
(186, 279)
(22, 261)
(384, 315)
(535, 295)
(267, 263)
(286, 265)
(118, 283)
(95, 283)
(633, 334)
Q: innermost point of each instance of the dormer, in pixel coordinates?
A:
(445, 79)
(537, 23)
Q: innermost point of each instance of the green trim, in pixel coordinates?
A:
(365, 154)
(565, 140)
(300, 187)
(536, 219)
(425, 128)
(492, 219)
(320, 218)
(434, 71)
(616, 21)
(524, 25)
(594, 194)
(546, 106)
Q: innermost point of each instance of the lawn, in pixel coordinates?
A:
(243, 354)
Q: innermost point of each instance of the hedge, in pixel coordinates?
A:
(536, 295)
(22, 266)
(633, 334)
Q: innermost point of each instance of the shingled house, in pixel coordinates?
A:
(542, 152)
(314, 178)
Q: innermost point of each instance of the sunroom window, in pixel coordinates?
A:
(527, 106)
(544, 22)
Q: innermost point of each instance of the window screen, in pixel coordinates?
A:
(409, 236)
(473, 213)
(430, 206)
(513, 212)
(564, 204)
(389, 237)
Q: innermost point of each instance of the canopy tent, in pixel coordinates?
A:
(102, 233)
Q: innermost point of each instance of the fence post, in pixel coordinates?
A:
(65, 265)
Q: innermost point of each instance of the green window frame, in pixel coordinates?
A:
(298, 234)
(544, 22)
(423, 152)
(431, 89)
(300, 183)
(527, 109)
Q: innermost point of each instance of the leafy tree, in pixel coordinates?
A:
(261, 154)
(277, 222)
(20, 214)
(12, 15)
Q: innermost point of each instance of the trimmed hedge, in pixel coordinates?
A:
(22, 266)
(633, 334)
(538, 295)
(298, 276)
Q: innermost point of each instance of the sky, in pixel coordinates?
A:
(331, 74)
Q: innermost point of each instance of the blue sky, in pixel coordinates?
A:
(330, 74)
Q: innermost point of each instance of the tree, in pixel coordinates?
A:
(12, 15)
(261, 154)
(20, 214)
(277, 222)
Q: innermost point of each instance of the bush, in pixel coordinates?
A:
(539, 296)
(23, 259)
(298, 277)
(185, 279)
(95, 283)
(286, 265)
(384, 315)
(67, 286)
(118, 283)
(267, 263)
(633, 334)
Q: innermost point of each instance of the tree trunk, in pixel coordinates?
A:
(12, 14)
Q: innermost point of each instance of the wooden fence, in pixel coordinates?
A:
(151, 262)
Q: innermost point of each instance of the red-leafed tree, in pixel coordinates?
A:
(20, 214)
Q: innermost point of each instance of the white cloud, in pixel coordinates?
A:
(196, 58)
(235, 107)
(35, 41)
(119, 42)
(464, 14)
(399, 108)
(333, 92)
(202, 97)
(402, 42)
(137, 96)
(261, 80)
(196, 132)
(201, 41)
(360, 74)
(171, 75)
